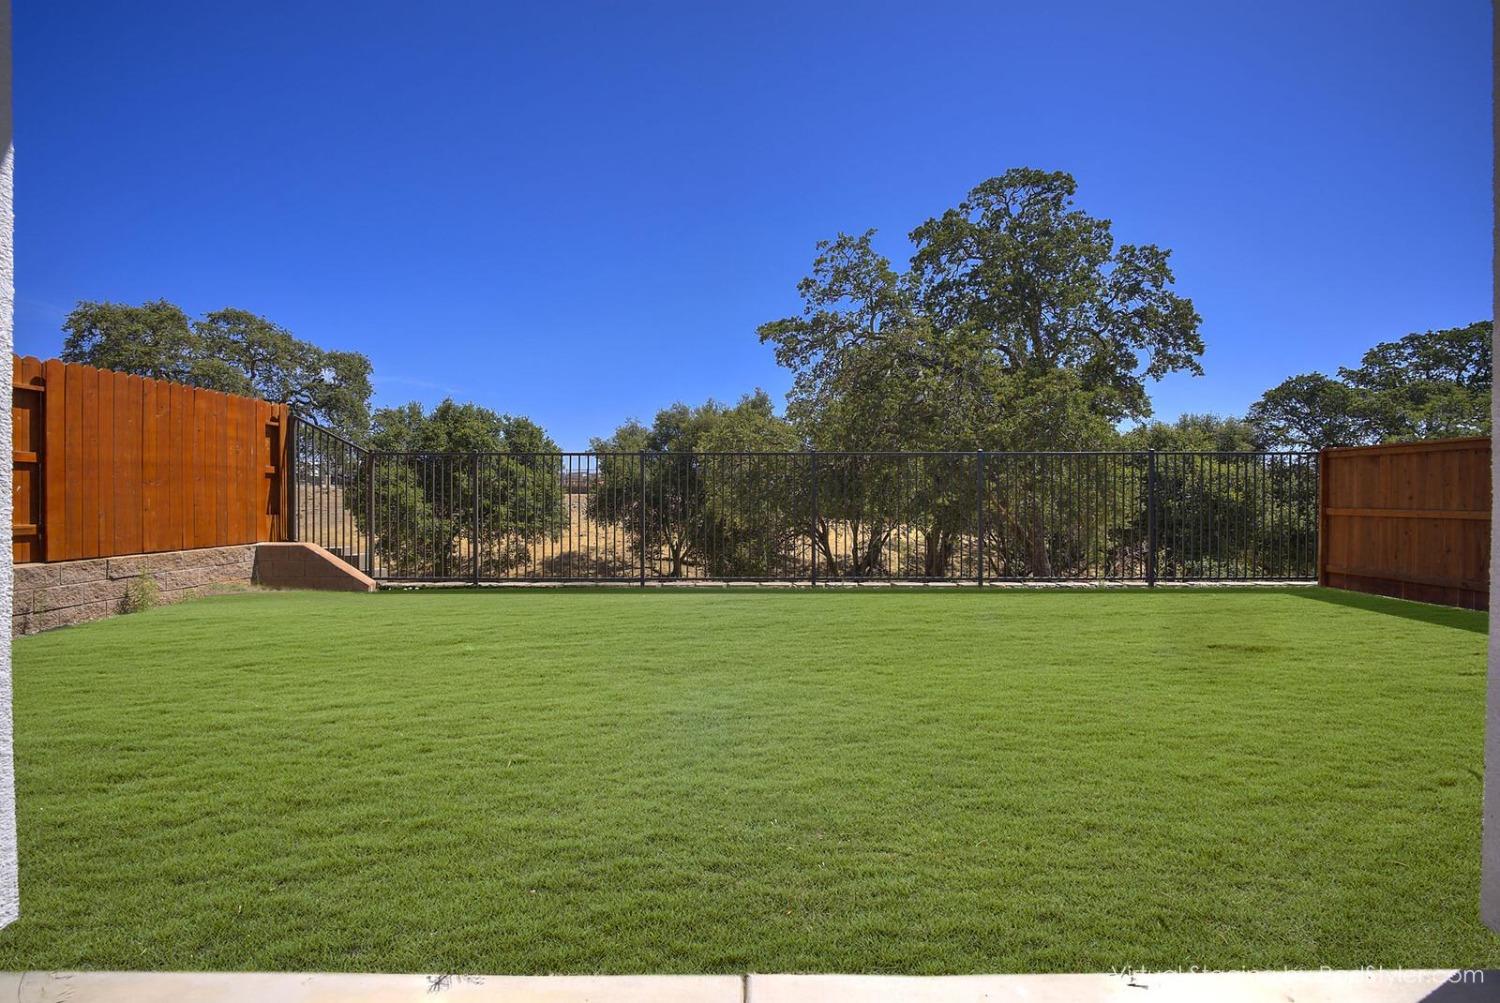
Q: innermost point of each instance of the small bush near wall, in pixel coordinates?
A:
(141, 593)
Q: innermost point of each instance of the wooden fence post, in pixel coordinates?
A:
(28, 460)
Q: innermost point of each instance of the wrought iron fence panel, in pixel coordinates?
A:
(1066, 516)
(327, 473)
(807, 517)
(1236, 516)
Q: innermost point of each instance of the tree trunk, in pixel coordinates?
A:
(825, 547)
(1041, 562)
(937, 553)
(867, 558)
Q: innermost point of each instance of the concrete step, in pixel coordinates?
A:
(307, 566)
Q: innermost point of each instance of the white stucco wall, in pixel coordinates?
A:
(10, 896)
(1490, 853)
(1489, 899)
(1489, 882)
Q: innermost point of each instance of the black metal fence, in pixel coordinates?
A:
(807, 517)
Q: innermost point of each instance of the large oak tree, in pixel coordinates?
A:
(1019, 323)
(234, 351)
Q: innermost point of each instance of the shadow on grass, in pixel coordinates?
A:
(1442, 616)
(847, 590)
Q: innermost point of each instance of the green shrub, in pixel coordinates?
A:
(141, 594)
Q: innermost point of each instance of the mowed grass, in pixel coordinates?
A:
(717, 781)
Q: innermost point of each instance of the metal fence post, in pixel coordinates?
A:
(370, 521)
(1151, 530)
(813, 529)
(1320, 521)
(979, 509)
(474, 535)
(289, 523)
(643, 518)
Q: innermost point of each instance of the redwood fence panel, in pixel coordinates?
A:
(108, 464)
(1410, 520)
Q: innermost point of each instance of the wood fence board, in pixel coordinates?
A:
(53, 497)
(85, 451)
(156, 428)
(234, 471)
(203, 501)
(182, 465)
(169, 442)
(136, 462)
(92, 450)
(220, 429)
(253, 427)
(1409, 520)
(230, 428)
(146, 469)
(119, 472)
(261, 501)
(103, 464)
(239, 517)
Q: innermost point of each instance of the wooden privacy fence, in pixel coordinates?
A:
(1410, 520)
(109, 464)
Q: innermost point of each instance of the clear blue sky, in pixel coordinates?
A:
(581, 212)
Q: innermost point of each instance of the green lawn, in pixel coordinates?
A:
(594, 781)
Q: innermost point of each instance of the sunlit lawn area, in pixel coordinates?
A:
(616, 781)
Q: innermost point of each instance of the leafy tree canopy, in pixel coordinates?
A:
(457, 428)
(1311, 411)
(230, 350)
(425, 510)
(750, 425)
(1195, 433)
(1424, 386)
(733, 522)
(1017, 316)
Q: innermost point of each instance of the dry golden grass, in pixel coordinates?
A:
(593, 548)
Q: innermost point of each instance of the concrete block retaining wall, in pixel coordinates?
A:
(68, 592)
(56, 595)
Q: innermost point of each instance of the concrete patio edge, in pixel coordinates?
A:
(1373, 986)
(321, 987)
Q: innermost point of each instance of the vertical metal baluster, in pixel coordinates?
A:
(979, 501)
(814, 536)
(370, 520)
(643, 518)
(474, 538)
(1151, 518)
